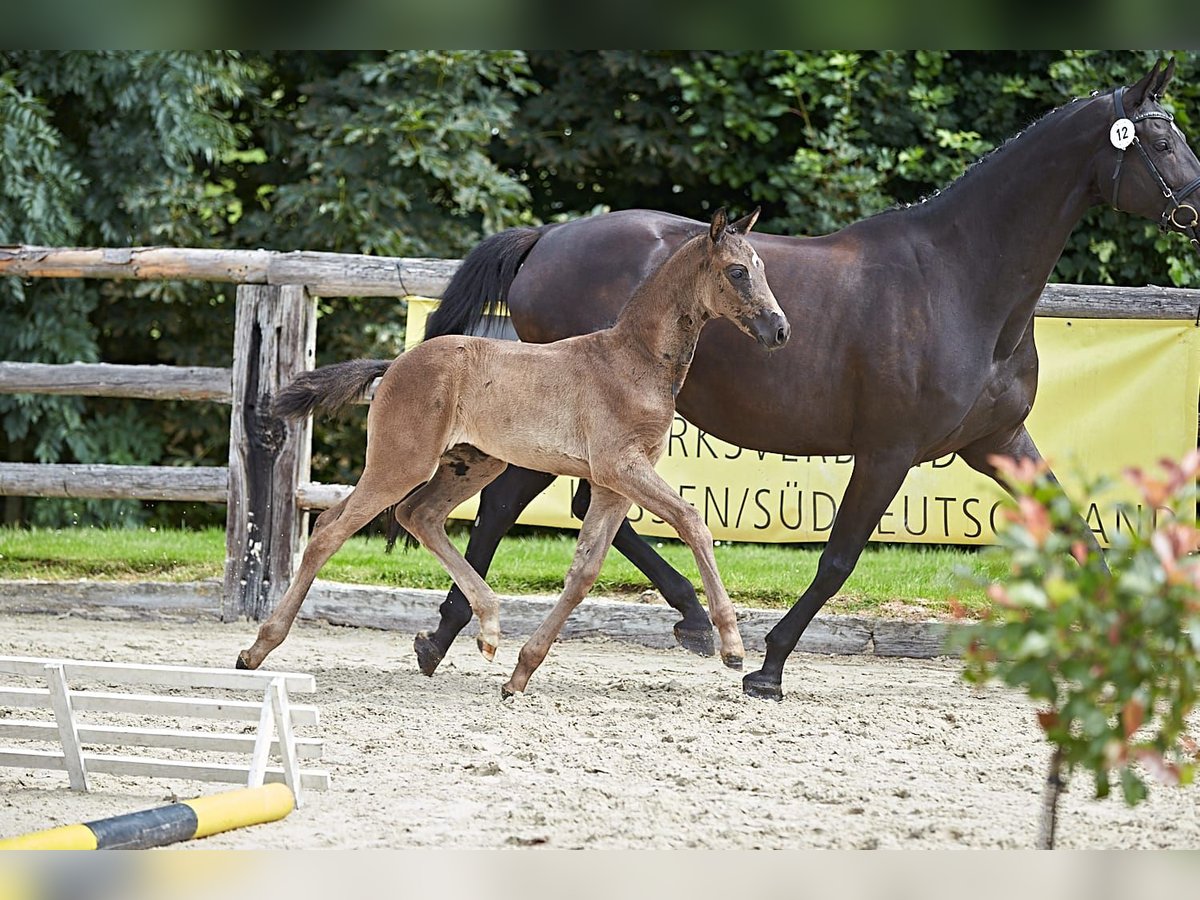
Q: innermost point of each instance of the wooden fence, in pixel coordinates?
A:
(267, 485)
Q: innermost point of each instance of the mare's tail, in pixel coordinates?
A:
(328, 387)
(480, 286)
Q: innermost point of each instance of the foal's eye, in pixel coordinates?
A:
(736, 272)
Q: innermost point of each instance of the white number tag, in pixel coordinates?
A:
(1121, 134)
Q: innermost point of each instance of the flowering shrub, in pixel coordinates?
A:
(1109, 649)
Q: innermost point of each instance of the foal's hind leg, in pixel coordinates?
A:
(464, 470)
(373, 494)
(500, 503)
(604, 516)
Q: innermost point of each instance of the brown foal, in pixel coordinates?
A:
(453, 412)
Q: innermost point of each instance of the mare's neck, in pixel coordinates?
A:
(1012, 215)
(661, 322)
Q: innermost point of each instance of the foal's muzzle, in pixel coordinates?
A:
(769, 328)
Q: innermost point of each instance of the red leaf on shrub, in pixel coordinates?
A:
(1132, 716)
(1079, 550)
(1179, 474)
(1047, 718)
(1036, 519)
(1165, 771)
(997, 594)
(1018, 471)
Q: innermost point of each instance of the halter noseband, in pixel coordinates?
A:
(1175, 198)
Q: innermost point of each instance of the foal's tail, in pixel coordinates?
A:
(480, 286)
(328, 387)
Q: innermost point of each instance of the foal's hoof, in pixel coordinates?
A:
(732, 660)
(506, 692)
(243, 660)
(428, 653)
(758, 685)
(488, 650)
(697, 640)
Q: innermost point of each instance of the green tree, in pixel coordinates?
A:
(98, 149)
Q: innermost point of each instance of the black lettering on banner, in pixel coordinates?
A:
(1093, 515)
(816, 527)
(783, 496)
(721, 509)
(758, 501)
(945, 501)
(702, 441)
(1122, 515)
(992, 516)
(679, 428)
(967, 512)
(939, 464)
(887, 514)
(908, 517)
(737, 451)
(742, 508)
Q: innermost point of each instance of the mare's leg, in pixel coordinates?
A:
(500, 504)
(375, 492)
(694, 630)
(464, 470)
(875, 480)
(638, 481)
(604, 516)
(1018, 445)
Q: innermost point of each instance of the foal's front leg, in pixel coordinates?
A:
(603, 518)
(645, 487)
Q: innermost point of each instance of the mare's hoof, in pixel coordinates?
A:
(506, 692)
(242, 661)
(428, 653)
(488, 650)
(732, 660)
(696, 640)
(758, 685)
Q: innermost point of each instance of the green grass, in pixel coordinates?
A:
(890, 579)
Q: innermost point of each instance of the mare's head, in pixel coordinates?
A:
(1146, 167)
(736, 287)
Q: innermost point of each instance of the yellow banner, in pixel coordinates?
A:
(1112, 394)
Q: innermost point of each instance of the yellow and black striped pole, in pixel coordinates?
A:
(166, 824)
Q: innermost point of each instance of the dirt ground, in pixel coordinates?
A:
(615, 746)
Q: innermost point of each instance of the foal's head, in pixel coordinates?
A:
(736, 288)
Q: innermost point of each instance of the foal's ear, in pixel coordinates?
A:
(720, 221)
(1144, 88)
(745, 223)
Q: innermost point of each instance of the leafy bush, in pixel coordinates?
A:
(1110, 651)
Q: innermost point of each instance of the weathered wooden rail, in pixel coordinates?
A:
(267, 484)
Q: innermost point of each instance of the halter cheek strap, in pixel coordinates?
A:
(1181, 215)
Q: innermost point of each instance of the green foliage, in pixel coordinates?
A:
(1110, 652)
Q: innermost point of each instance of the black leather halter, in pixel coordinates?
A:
(1182, 215)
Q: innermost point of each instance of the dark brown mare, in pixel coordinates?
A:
(917, 324)
(451, 414)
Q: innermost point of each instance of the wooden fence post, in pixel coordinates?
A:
(275, 339)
